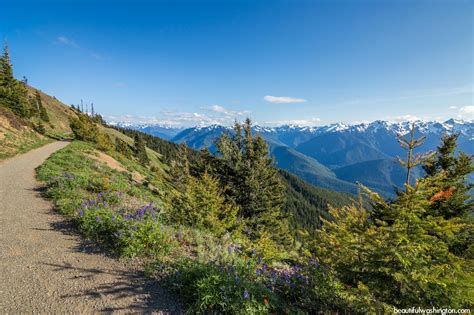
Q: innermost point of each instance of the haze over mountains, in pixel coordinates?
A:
(333, 156)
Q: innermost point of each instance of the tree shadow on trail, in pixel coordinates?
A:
(124, 285)
(122, 282)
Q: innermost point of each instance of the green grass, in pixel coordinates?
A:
(94, 176)
(13, 145)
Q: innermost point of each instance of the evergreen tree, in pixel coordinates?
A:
(412, 160)
(254, 183)
(123, 147)
(43, 114)
(12, 94)
(180, 171)
(203, 205)
(399, 254)
(447, 174)
(140, 150)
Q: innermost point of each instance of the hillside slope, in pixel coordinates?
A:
(310, 170)
(18, 135)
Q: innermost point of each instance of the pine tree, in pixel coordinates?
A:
(447, 175)
(7, 78)
(180, 169)
(123, 147)
(203, 205)
(12, 94)
(399, 253)
(254, 183)
(43, 114)
(412, 160)
(140, 150)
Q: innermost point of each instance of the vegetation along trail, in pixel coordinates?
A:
(46, 267)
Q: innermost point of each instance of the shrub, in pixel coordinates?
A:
(85, 129)
(212, 288)
(203, 205)
(140, 234)
(144, 235)
(122, 147)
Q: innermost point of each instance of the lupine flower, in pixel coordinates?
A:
(246, 294)
(313, 262)
(248, 263)
(264, 267)
(258, 272)
(81, 212)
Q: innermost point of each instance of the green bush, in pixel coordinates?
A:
(221, 289)
(144, 235)
(122, 147)
(138, 234)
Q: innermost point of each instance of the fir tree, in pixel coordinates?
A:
(123, 147)
(203, 205)
(412, 160)
(254, 183)
(399, 254)
(12, 94)
(447, 174)
(180, 170)
(140, 150)
(43, 114)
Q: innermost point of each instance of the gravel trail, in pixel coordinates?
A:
(45, 267)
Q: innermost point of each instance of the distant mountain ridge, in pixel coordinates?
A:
(336, 155)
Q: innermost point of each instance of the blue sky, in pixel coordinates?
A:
(201, 62)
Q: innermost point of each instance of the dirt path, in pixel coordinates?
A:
(46, 268)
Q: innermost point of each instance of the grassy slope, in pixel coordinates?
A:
(58, 113)
(18, 135)
(103, 172)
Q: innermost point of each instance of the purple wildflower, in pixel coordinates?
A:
(81, 212)
(246, 294)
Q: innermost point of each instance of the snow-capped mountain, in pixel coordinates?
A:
(336, 155)
(166, 132)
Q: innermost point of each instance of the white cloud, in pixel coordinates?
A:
(466, 112)
(219, 109)
(299, 122)
(213, 115)
(453, 107)
(283, 99)
(63, 40)
(467, 109)
(402, 118)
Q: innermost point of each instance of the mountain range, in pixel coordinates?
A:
(337, 155)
